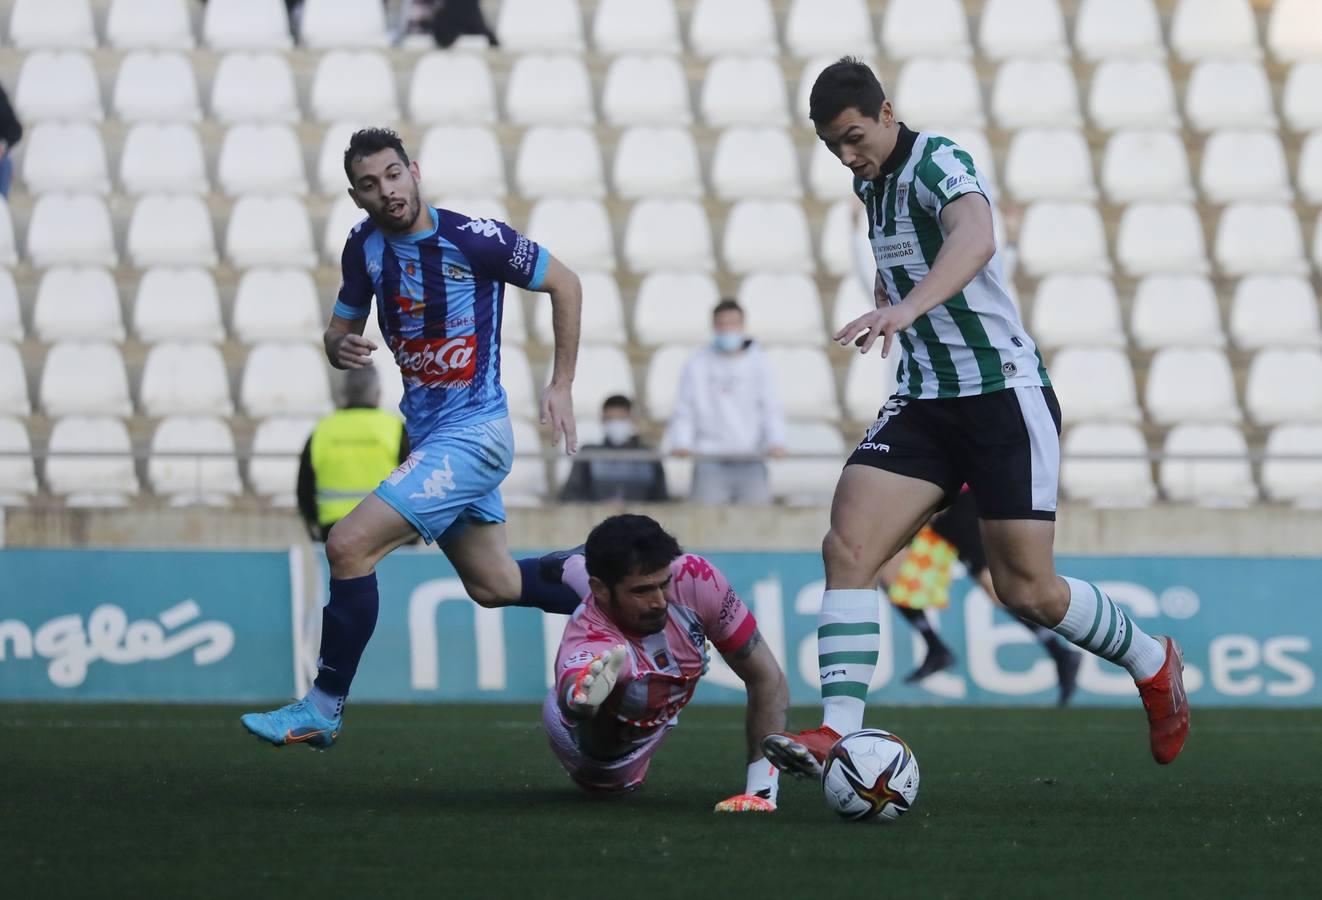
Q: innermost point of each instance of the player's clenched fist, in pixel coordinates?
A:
(594, 684)
(353, 352)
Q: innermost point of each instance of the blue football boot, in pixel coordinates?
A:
(297, 723)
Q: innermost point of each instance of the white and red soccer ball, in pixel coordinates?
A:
(870, 775)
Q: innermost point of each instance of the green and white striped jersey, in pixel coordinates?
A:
(973, 343)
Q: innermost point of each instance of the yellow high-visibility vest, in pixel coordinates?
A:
(352, 450)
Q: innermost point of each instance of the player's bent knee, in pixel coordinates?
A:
(845, 561)
(345, 552)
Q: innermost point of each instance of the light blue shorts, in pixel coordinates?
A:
(452, 479)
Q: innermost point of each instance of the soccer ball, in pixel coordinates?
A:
(870, 775)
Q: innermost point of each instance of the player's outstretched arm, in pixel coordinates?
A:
(346, 348)
(586, 691)
(566, 313)
(768, 700)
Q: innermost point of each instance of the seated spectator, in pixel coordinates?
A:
(593, 480)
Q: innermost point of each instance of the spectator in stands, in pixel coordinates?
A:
(10, 133)
(728, 406)
(348, 454)
(593, 480)
(454, 18)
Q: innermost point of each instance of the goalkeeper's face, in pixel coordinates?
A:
(639, 602)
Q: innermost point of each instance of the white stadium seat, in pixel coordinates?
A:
(516, 378)
(1105, 29)
(604, 321)
(1049, 164)
(1190, 385)
(1022, 28)
(156, 87)
(625, 26)
(331, 179)
(664, 371)
(269, 230)
(18, 474)
(1260, 237)
(577, 231)
(925, 28)
(52, 24)
(1274, 311)
(476, 103)
(211, 477)
(839, 248)
(1077, 309)
(549, 90)
(66, 388)
(804, 381)
(1063, 237)
(163, 158)
(171, 231)
(932, 92)
(1294, 31)
(8, 247)
(755, 163)
(513, 324)
(277, 445)
(1121, 477)
(557, 161)
(1317, 243)
(869, 381)
(343, 23)
(246, 25)
(827, 178)
(1095, 383)
(836, 27)
(471, 207)
(353, 85)
(91, 461)
(782, 308)
(149, 25)
(1035, 92)
(603, 370)
(344, 215)
(457, 158)
(177, 304)
(1225, 177)
(1135, 93)
(57, 85)
(77, 303)
(1176, 311)
(1299, 98)
(1285, 385)
(277, 304)
(1161, 237)
(672, 234)
(674, 308)
(13, 381)
(261, 158)
(526, 484)
(1214, 29)
(254, 87)
(656, 162)
(1146, 165)
(1292, 469)
(1310, 168)
(1222, 91)
(767, 235)
(646, 90)
(530, 26)
(1225, 479)
(185, 377)
(11, 317)
(285, 379)
(65, 156)
(810, 481)
(743, 91)
(70, 229)
(853, 298)
(719, 27)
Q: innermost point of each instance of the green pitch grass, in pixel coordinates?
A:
(466, 801)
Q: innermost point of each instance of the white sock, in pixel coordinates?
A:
(763, 780)
(329, 705)
(1095, 623)
(848, 640)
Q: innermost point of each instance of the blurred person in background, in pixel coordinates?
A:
(10, 133)
(452, 19)
(593, 480)
(728, 406)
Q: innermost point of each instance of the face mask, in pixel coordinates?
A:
(729, 341)
(618, 431)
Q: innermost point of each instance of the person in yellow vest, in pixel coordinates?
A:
(348, 454)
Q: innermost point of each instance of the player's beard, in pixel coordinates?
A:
(412, 205)
(640, 624)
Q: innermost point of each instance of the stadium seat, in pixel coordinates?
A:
(8, 247)
(163, 158)
(269, 230)
(1077, 309)
(65, 156)
(656, 162)
(1260, 237)
(343, 23)
(721, 27)
(52, 24)
(1292, 469)
(66, 388)
(91, 461)
(755, 163)
(70, 229)
(277, 445)
(664, 371)
(353, 85)
(559, 162)
(77, 303)
(1190, 385)
(549, 90)
(804, 381)
(246, 25)
(1224, 177)
(839, 248)
(767, 235)
(283, 378)
(177, 304)
(1161, 237)
(1215, 481)
(171, 231)
(1294, 30)
(57, 85)
(533, 26)
(457, 158)
(1222, 91)
(1013, 29)
(11, 316)
(344, 215)
(743, 91)
(184, 378)
(1146, 165)
(1293, 317)
(1134, 93)
(1317, 243)
(475, 104)
(1105, 29)
(261, 158)
(810, 481)
(254, 87)
(277, 304)
(931, 92)
(1106, 465)
(577, 231)
(149, 25)
(1310, 168)
(211, 478)
(869, 381)
(1063, 237)
(156, 87)
(1049, 164)
(646, 90)
(625, 26)
(829, 27)
(331, 180)
(18, 475)
(526, 486)
(1035, 93)
(668, 234)
(13, 381)
(603, 370)
(516, 378)
(827, 178)
(1095, 384)
(1176, 311)
(782, 308)
(853, 298)
(674, 308)
(925, 28)
(604, 322)
(1285, 385)
(1299, 98)
(1214, 29)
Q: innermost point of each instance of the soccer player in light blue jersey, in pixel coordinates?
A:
(439, 280)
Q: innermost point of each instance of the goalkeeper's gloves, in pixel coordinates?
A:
(593, 685)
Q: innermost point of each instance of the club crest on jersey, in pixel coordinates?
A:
(661, 658)
(901, 195)
(457, 273)
(483, 227)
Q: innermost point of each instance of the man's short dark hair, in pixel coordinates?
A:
(845, 83)
(368, 141)
(727, 305)
(617, 401)
(628, 545)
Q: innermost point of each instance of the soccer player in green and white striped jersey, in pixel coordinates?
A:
(973, 404)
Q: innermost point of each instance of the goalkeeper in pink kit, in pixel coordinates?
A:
(634, 650)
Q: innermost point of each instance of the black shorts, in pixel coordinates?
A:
(1005, 445)
(958, 524)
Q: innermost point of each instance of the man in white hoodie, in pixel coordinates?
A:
(728, 406)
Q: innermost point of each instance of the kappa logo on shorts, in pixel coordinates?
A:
(437, 484)
(403, 469)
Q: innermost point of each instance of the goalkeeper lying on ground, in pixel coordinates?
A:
(633, 652)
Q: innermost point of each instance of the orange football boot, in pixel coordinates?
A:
(800, 754)
(1167, 706)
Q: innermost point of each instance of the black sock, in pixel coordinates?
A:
(918, 620)
(1050, 641)
(542, 593)
(347, 624)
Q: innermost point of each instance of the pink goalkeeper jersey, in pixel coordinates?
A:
(662, 671)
